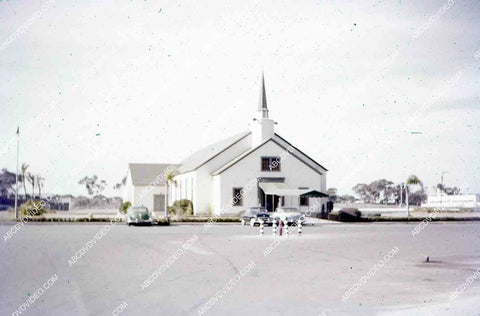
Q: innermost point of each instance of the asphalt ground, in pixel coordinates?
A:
(231, 269)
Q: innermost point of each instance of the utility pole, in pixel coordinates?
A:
(166, 200)
(16, 176)
(441, 189)
(406, 198)
(401, 194)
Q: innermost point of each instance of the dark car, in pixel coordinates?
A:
(4, 207)
(253, 216)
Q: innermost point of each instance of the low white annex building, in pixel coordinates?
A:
(253, 168)
(145, 185)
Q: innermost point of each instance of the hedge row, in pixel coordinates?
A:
(159, 222)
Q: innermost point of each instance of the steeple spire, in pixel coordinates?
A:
(262, 105)
(263, 127)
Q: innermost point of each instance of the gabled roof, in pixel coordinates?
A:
(235, 160)
(146, 173)
(301, 152)
(205, 154)
(315, 193)
(248, 152)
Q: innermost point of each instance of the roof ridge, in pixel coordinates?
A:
(207, 153)
(301, 152)
(239, 157)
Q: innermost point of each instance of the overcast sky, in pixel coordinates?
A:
(362, 88)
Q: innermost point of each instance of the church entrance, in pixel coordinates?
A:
(269, 201)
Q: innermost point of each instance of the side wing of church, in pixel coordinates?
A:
(253, 168)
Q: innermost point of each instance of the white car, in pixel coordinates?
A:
(288, 215)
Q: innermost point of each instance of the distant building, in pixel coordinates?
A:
(453, 201)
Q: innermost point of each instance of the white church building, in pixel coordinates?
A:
(257, 167)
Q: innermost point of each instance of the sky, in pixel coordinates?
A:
(369, 89)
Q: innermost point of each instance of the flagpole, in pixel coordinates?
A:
(16, 177)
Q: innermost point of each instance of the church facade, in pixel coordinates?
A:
(257, 167)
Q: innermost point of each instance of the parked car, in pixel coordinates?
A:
(4, 207)
(288, 215)
(138, 216)
(253, 216)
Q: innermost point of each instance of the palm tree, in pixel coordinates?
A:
(118, 186)
(24, 179)
(31, 179)
(411, 180)
(40, 185)
(170, 177)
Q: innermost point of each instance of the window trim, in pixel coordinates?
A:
(271, 160)
(235, 191)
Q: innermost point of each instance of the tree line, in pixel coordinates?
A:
(8, 182)
(384, 191)
(32, 184)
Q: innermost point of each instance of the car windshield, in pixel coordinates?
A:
(288, 209)
(138, 212)
(255, 210)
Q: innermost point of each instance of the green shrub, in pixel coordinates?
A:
(30, 208)
(181, 207)
(163, 222)
(124, 207)
(207, 219)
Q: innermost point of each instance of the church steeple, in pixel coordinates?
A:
(262, 105)
(263, 126)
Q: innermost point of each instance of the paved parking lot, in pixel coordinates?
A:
(210, 272)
